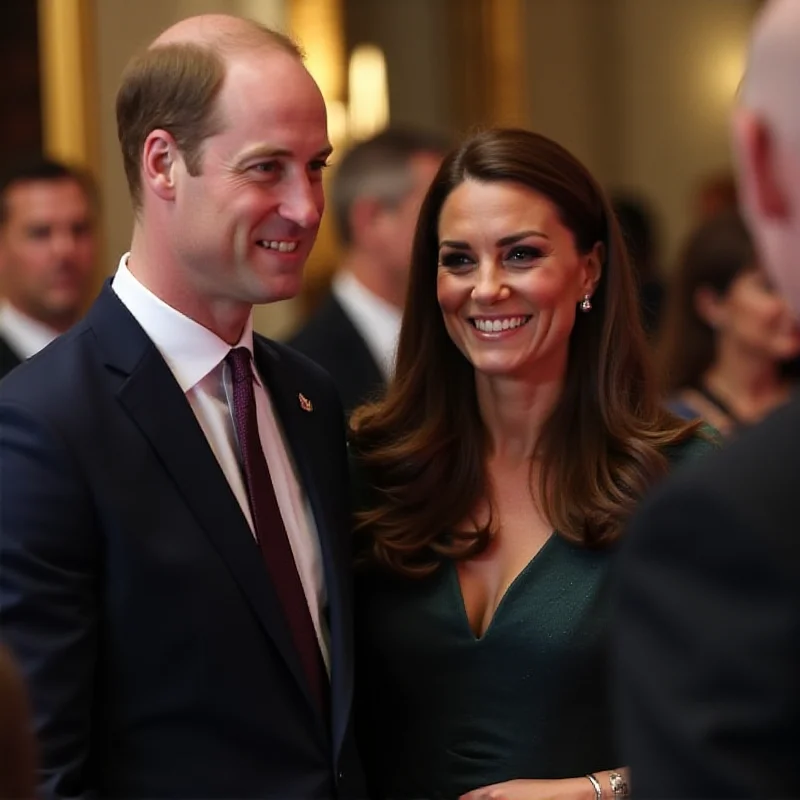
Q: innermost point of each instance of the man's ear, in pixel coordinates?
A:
(159, 161)
(759, 157)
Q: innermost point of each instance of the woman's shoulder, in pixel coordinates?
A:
(701, 442)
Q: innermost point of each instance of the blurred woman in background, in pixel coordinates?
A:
(730, 342)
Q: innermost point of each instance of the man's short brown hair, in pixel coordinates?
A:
(43, 170)
(174, 86)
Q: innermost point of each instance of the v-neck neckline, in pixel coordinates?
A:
(518, 578)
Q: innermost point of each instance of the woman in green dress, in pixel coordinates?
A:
(494, 481)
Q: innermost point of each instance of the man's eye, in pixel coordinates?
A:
(268, 167)
(319, 165)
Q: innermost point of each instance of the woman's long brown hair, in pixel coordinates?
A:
(423, 448)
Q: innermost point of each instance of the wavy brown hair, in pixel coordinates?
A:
(423, 448)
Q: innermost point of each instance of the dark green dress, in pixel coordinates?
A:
(441, 712)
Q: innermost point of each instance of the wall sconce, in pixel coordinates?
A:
(367, 109)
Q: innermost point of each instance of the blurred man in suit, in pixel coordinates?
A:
(708, 645)
(376, 194)
(47, 255)
(174, 559)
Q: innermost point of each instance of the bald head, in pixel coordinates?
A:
(174, 85)
(225, 33)
(766, 138)
(771, 84)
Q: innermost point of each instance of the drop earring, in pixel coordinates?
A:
(586, 304)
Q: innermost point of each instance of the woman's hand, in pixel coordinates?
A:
(567, 789)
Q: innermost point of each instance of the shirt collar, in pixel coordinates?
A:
(25, 335)
(190, 350)
(377, 321)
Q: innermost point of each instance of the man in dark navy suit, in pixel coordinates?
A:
(174, 559)
(708, 626)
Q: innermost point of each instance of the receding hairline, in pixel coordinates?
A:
(225, 34)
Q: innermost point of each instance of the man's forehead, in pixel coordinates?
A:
(44, 196)
(281, 112)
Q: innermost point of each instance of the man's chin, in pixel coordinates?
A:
(279, 290)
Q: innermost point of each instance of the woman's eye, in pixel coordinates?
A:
(455, 260)
(524, 255)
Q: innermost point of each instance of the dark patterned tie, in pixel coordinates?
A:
(269, 528)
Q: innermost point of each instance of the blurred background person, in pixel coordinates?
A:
(638, 224)
(47, 255)
(375, 197)
(17, 770)
(730, 339)
(522, 427)
(715, 193)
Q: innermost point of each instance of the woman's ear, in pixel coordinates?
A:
(593, 268)
(708, 305)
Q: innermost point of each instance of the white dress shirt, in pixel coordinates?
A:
(196, 357)
(377, 321)
(25, 336)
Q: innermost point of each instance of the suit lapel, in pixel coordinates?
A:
(156, 404)
(366, 365)
(299, 423)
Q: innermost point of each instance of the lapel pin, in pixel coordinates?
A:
(305, 403)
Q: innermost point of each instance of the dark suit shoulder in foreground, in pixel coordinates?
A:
(708, 625)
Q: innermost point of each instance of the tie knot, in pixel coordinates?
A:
(239, 360)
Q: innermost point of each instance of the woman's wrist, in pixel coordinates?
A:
(597, 788)
(609, 784)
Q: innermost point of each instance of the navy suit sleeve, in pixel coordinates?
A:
(48, 592)
(707, 638)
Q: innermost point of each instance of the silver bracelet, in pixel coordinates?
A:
(598, 791)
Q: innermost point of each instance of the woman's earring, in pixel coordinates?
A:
(586, 304)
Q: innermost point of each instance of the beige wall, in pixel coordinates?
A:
(417, 43)
(641, 90)
(682, 62)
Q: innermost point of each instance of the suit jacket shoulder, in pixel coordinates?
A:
(331, 339)
(753, 475)
(8, 358)
(708, 614)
